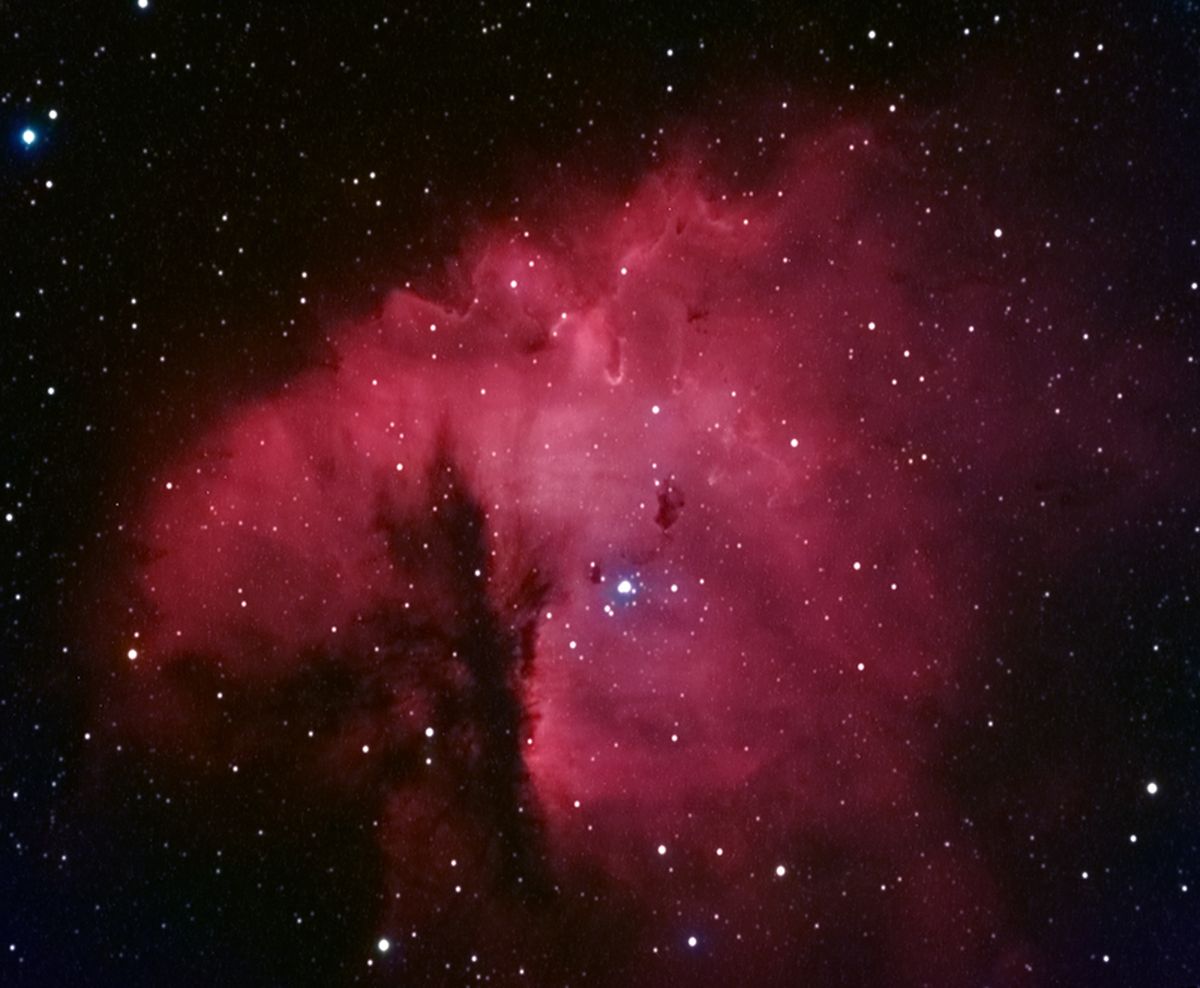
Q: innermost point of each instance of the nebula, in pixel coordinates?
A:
(629, 575)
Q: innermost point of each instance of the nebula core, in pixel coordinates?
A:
(638, 578)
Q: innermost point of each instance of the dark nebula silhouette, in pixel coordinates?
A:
(670, 504)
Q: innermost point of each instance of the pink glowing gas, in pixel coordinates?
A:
(646, 560)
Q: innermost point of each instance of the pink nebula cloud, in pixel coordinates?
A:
(666, 521)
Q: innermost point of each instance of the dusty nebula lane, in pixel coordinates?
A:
(629, 581)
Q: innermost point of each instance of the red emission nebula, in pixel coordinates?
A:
(626, 580)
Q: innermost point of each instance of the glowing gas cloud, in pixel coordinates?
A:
(629, 579)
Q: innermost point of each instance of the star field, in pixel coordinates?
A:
(606, 494)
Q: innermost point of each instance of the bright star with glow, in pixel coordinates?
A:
(28, 136)
(625, 586)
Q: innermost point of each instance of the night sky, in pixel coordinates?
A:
(622, 494)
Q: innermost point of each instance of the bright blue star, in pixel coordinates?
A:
(28, 136)
(625, 586)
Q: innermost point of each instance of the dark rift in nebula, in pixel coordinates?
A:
(641, 565)
(484, 648)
